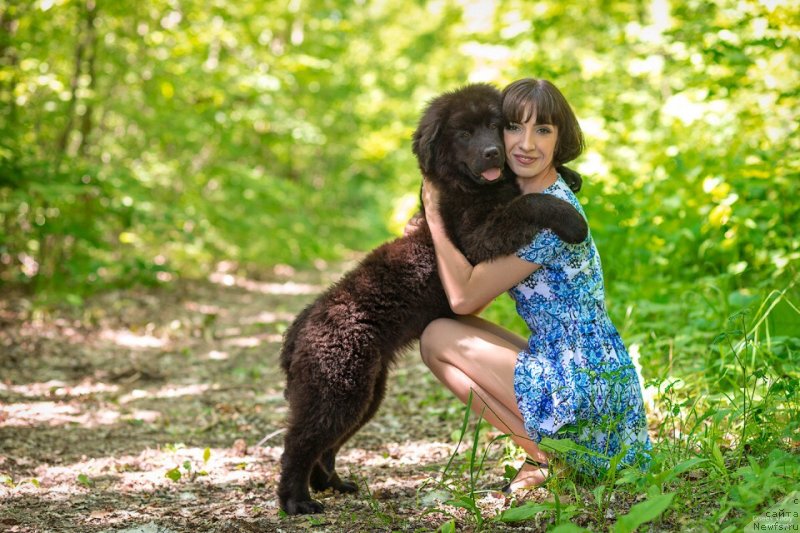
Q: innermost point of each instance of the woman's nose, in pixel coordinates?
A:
(527, 141)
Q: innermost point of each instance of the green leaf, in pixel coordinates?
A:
(174, 474)
(643, 512)
(716, 453)
(670, 474)
(465, 502)
(84, 480)
(448, 527)
(524, 512)
(206, 455)
(598, 494)
(566, 445)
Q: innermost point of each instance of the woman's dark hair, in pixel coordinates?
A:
(526, 97)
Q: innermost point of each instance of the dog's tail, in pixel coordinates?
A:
(290, 338)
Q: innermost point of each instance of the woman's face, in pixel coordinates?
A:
(530, 147)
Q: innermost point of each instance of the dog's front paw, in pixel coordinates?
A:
(572, 228)
(309, 506)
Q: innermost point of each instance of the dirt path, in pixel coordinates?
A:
(160, 410)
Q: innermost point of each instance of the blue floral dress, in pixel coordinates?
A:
(576, 380)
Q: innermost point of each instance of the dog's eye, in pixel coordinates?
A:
(465, 134)
(492, 126)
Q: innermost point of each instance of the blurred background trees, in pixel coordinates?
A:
(140, 141)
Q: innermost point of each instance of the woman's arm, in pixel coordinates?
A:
(469, 288)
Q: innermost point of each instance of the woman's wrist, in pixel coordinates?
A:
(434, 220)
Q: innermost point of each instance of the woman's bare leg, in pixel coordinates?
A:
(469, 354)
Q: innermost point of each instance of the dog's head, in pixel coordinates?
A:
(461, 133)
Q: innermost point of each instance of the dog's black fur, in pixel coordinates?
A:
(338, 351)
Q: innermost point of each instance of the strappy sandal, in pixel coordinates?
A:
(531, 462)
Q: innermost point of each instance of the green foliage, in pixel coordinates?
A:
(158, 139)
(643, 512)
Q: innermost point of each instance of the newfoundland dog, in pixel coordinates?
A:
(338, 351)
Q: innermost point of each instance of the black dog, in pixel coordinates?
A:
(338, 351)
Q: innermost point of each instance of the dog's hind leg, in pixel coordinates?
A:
(314, 429)
(324, 475)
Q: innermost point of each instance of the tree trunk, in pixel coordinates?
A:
(91, 39)
(86, 38)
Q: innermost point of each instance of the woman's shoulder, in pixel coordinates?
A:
(561, 190)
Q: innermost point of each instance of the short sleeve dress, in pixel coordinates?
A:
(576, 380)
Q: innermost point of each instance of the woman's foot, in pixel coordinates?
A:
(530, 475)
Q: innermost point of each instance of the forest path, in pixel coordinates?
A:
(142, 410)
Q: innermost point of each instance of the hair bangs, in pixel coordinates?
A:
(522, 102)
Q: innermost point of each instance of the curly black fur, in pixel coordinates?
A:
(338, 351)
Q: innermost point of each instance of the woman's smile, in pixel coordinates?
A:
(524, 160)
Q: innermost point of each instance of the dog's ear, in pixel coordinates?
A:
(426, 136)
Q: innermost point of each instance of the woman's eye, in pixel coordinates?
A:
(544, 131)
(512, 126)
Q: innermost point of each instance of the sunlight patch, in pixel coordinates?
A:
(206, 309)
(55, 414)
(254, 341)
(169, 391)
(129, 339)
(399, 453)
(59, 388)
(268, 317)
(289, 287)
(216, 355)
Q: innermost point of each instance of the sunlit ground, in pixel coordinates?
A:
(173, 406)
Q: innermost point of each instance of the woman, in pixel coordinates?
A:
(573, 377)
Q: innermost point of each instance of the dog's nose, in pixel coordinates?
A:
(492, 151)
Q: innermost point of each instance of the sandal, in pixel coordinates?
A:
(528, 462)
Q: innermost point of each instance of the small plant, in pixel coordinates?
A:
(373, 503)
(643, 512)
(466, 497)
(9, 481)
(187, 470)
(85, 480)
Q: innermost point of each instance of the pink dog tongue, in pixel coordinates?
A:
(491, 174)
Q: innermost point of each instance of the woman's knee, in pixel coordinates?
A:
(434, 339)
